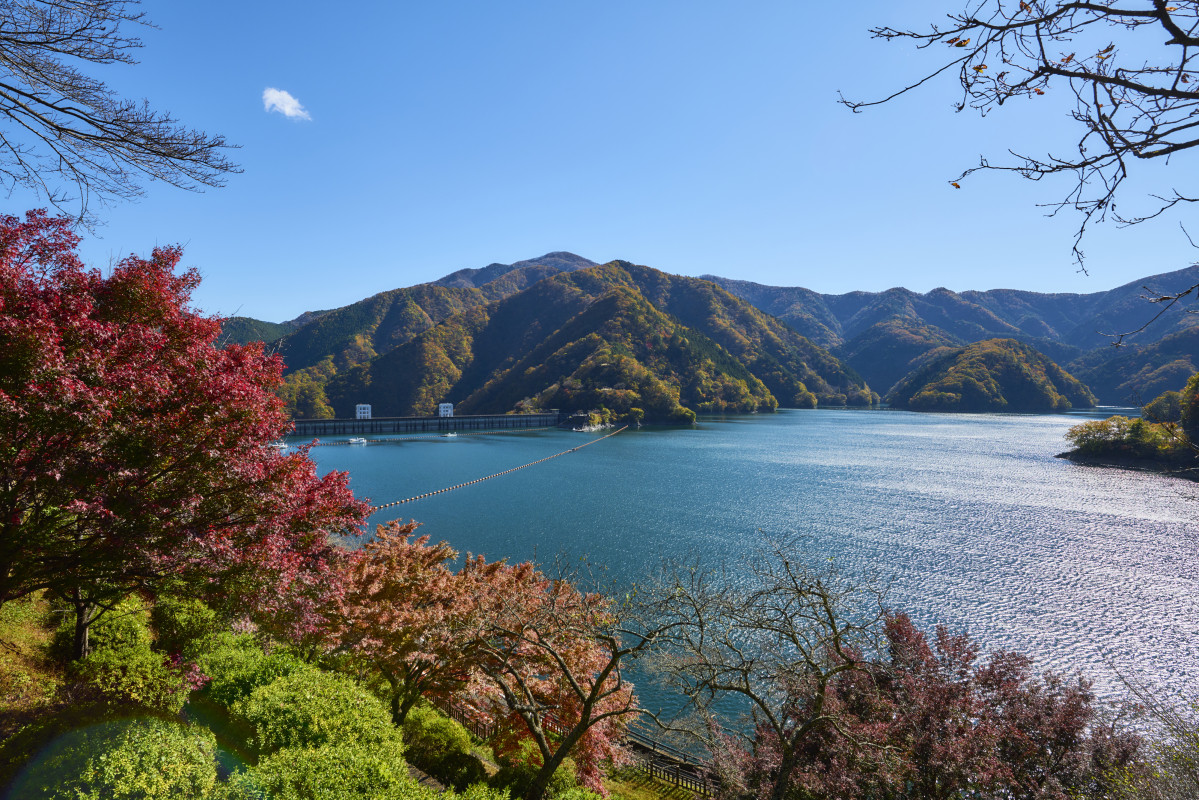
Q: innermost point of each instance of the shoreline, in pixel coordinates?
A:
(1133, 464)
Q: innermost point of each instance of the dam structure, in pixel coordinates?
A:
(432, 424)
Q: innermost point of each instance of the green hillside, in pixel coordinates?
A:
(343, 338)
(1069, 328)
(992, 375)
(1136, 373)
(887, 350)
(616, 336)
(240, 330)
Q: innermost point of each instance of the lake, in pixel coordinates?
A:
(969, 517)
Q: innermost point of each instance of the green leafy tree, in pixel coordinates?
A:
(1166, 407)
(1190, 409)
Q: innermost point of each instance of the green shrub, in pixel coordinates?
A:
(134, 759)
(478, 791)
(577, 793)
(460, 770)
(1189, 401)
(310, 708)
(441, 747)
(126, 625)
(133, 674)
(428, 734)
(1121, 436)
(183, 625)
(347, 770)
(236, 666)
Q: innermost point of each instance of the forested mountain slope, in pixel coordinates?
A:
(991, 375)
(618, 336)
(862, 326)
(331, 342)
(1137, 373)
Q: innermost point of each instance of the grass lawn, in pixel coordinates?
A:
(633, 784)
(28, 678)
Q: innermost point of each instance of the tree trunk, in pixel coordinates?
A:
(83, 621)
(404, 707)
(541, 780)
(397, 713)
(786, 767)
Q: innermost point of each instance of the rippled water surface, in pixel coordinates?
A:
(969, 516)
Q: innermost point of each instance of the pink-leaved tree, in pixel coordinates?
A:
(551, 663)
(407, 614)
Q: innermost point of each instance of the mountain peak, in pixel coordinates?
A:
(556, 261)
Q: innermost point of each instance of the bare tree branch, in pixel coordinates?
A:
(1139, 106)
(62, 129)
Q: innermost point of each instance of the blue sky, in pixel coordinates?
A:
(695, 137)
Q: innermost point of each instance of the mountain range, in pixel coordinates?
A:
(562, 331)
(882, 334)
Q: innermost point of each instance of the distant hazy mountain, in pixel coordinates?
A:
(991, 375)
(620, 336)
(1065, 327)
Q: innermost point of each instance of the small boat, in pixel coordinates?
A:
(357, 440)
(278, 445)
(450, 435)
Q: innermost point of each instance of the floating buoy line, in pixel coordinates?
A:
(496, 475)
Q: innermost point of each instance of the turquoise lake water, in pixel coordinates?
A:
(969, 517)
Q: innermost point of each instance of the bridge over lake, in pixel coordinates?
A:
(480, 422)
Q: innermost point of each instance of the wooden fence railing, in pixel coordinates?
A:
(656, 759)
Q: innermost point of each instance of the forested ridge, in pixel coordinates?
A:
(846, 341)
(871, 331)
(619, 337)
(992, 375)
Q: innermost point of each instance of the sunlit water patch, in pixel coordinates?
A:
(969, 518)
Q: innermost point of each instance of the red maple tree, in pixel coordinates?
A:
(134, 450)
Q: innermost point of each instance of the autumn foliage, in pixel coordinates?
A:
(134, 450)
(537, 657)
(407, 614)
(935, 719)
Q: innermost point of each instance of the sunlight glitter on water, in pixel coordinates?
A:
(969, 517)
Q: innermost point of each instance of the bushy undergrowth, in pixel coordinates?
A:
(345, 770)
(310, 708)
(142, 758)
(441, 747)
(1120, 436)
(183, 626)
(122, 668)
(236, 665)
(133, 675)
(127, 625)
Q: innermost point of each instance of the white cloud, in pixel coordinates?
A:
(284, 103)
